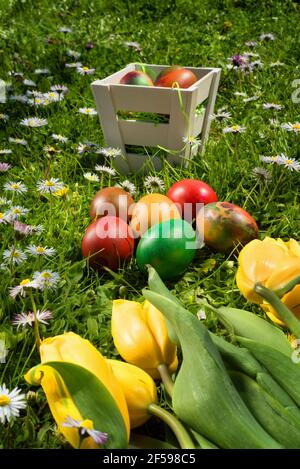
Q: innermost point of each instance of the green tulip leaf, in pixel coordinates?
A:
(93, 401)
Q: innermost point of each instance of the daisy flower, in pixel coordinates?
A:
(41, 71)
(59, 89)
(267, 37)
(61, 192)
(276, 107)
(135, 45)
(27, 319)
(127, 186)
(3, 218)
(11, 402)
(49, 185)
(14, 255)
(64, 29)
(59, 138)
(73, 65)
(22, 287)
(221, 115)
(22, 228)
(4, 201)
(52, 96)
(88, 111)
(255, 64)
(83, 148)
(91, 177)
(46, 279)
(240, 93)
(291, 127)
(238, 62)
(191, 141)
(4, 117)
(261, 174)
(85, 70)
(73, 53)
(4, 167)
(5, 151)
(271, 159)
(34, 122)
(154, 184)
(251, 98)
(234, 129)
(251, 43)
(51, 150)
(18, 141)
(17, 187)
(20, 98)
(277, 64)
(40, 251)
(85, 428)
(29, 83)
(111, 152)
(290, 163)
(105, 169)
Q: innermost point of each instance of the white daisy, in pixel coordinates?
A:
(127, 186)
(40, 250)
(192, 142)
(42, 71)
(29, 83)
(49, 185)
(291, 127)
(240, 93)
(85, 70)
(234, 129)
(14, 255)
(22, 228)
(88, 111)
(271, 159)
(11, 402)
(251, 43)
(59, 138)
(277, 64)
(34, 122)
(53, 97)
(154, 184)
(27, 319)
(4, 117)
(4, 167)
(64, 29)
(251, 98)
(221, 115)
(5, 151)
(85, 428)
(83, 148)
(4, 201)
(4, 218)
(17, 187)
(20, 98)
(23, 287)
(135, 45)
(262, 174)
(91, 177)
(73, 53)
(73, 65)
(111, 152)
(46, 279)
(18, 141)
(105, 169)
(276, 107)
(60, 89)
(255, 64)
(290, 163)
(16, 211)
(267, 37)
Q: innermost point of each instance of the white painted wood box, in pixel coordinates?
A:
(178, 105)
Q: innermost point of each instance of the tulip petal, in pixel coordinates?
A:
(291, 300)
(286, 272)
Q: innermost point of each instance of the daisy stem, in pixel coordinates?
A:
(275, 189)
(166, 378)
(180, 432)
(36, 324)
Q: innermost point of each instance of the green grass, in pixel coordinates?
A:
(191, 33)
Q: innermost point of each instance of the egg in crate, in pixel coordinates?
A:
(136, 77)
(171, 76)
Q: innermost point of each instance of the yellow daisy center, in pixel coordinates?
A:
(40, 249)
(15, 186)
(235, 127)
(1, 215)
(49, 183)
(85, 69)
(46, 275)
(296, 126)
(289, 162)
(16, 254)
(25, 282)
(87, 111)
(4, 400)
(16, 211)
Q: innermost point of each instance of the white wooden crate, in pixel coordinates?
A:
(179, 104)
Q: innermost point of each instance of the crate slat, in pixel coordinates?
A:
(143, 133)
(141, 99)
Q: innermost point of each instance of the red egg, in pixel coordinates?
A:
(135, 77)
(107, 242)
(171, 75)
(112, 201)
(187, 193)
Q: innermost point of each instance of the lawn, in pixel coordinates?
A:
(37, 40)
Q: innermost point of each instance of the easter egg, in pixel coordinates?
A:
(150, 210)
(112, 201)
(171, 75)
(224, 225)
(135, 77)
(107, 242)
(187, 193)
(169, 247)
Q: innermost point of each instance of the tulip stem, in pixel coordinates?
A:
(166, 378)
(36, 323)
(288, 287)
(180, 432)
(284, 312)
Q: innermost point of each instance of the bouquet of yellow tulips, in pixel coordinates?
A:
(221, 394)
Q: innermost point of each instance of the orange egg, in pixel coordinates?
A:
(152, 209)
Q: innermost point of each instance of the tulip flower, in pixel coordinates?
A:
(139, 390)
(291, 300)
(272, 262)
(73, 349)
(140, 335)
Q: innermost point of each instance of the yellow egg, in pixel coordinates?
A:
(152, 209)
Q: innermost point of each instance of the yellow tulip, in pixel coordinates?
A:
(72, 348)
(291, 300)
(139, 390)
(271, 262)
(140, 335)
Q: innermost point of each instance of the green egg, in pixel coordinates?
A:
(169, 247)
